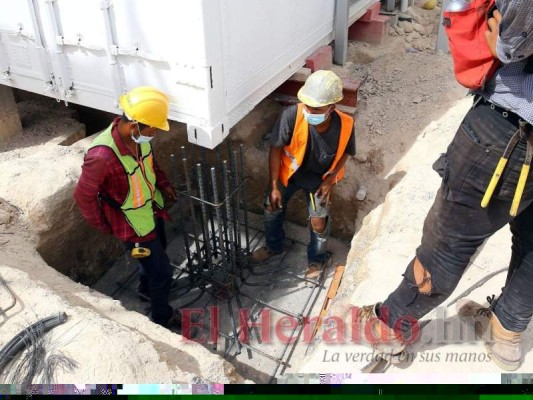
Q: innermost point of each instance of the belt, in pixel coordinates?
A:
(509, 115)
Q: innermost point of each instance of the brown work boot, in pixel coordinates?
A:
(476, 315)
(262, 255)
(503, 345)
(313, 273)
(376, 334)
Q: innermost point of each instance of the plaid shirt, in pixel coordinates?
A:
(102, 172)
(511, 87)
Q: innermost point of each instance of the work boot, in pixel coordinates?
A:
(376, 334)
(503, 345)
(174, 323)
(262, 255)
(314, 270)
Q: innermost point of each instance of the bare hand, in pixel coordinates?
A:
(324, 190)
(491, 35)
(275, 199)
(170, 193)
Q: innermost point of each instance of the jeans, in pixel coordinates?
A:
(157, 269)
(273, 222)
(456, 225)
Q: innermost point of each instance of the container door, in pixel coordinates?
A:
(24, 61)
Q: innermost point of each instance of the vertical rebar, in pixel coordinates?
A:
(229, 213)
(208, 196)
(234, 326)
(205, 226)
(244, 203)
(180, 212)
(218, 211)
(191, 206)
(235, 203)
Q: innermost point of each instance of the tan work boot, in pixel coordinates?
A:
(376, 334)
(262, 255)
(503, 345)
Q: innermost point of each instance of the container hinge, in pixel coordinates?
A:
(6, 75)
(20, 32)
(78, 42)
(117, 51)
(211, 76)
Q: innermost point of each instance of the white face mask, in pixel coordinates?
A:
(141, 138)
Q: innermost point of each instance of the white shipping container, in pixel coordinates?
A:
(216, 59)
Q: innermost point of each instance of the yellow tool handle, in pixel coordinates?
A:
(494, 181)
(312, 196)
(519, 190)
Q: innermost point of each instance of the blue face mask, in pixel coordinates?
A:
(141, 138)
(314, 119)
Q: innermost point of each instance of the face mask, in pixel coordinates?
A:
(315, 119)
(141, 138)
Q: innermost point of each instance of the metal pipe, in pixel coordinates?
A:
(209, 257)
(244, 205)
(191, 207)
(342, 9)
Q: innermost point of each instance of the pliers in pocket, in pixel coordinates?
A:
(520, 133)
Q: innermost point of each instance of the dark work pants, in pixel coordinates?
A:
(158, 271)
(456, 225)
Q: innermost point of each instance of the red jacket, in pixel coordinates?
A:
(102, 172)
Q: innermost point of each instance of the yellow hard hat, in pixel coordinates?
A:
(320, 89)
(147, 105)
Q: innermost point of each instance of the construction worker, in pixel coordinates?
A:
(310, 143)
(121, 191)
(462, 217)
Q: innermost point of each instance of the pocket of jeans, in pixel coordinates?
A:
(468, 164)
(473, 161)
(441, 167)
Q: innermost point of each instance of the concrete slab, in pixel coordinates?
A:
(274, 295)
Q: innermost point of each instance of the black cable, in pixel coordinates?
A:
(22, 339)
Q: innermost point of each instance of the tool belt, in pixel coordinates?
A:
(524, 130)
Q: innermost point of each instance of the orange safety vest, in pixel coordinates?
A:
(293, 154)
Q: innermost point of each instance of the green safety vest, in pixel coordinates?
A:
(137, 208)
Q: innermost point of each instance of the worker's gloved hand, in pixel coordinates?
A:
(170, 193)
(275, 199)
(492, 33)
